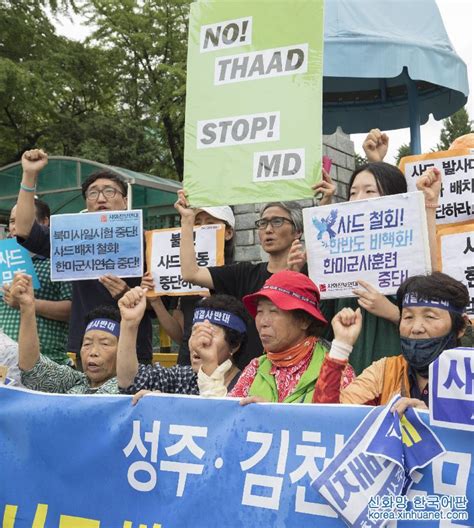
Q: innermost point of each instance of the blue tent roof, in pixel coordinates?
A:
(374, 50)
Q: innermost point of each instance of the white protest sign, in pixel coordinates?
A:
(456, 251)
(164, 262)
(456, 202)
(227, 34)
(89, 245)
(380, 240)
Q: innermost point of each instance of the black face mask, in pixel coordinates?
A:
(420, 353)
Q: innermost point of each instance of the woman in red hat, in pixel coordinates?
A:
(289, 323)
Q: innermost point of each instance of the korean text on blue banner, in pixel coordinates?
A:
(377, 461)
(180, 461)
(15, 258)
(452, 389)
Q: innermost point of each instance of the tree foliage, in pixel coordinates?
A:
(151, 37)
(403, 150)
(454, 126)
(360, 160)
(117, 98)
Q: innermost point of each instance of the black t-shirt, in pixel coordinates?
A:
(87, 295)
(187, 303)
(239, 280)
(415, 391)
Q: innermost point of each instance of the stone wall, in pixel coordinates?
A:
(340, 149)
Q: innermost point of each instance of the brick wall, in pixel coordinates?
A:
(340, 149)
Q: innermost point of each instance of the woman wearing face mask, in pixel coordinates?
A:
(379, 334)
(432, 320)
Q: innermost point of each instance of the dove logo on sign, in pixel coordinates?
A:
(325, 226)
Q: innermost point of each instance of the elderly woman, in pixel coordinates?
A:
(432, 320)
(289, 324)
(98, 351)
(227, 321)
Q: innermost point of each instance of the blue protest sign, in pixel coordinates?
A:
(87, 246)
(14, 258)
(452, 389)
(179, 461)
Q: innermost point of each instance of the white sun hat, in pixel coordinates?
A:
(223, 212)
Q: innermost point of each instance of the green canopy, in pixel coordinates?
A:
(60, 182)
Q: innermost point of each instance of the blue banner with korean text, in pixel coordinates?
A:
(87, 246)
(452, 389)
(15, 258)
(378, 461)
(174, 461)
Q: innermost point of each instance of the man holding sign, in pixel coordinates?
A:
(102, 191)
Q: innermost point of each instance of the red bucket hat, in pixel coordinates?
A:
(288, 290)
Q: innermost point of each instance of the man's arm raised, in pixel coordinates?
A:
(189, 269)
(28, 341)
(32, 162)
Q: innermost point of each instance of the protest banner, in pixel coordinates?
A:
(180, 461)
(13, 258)
(253, 101)
(380, 240)
(456, 203)
(89, 245)
(452, 389)
(377, 462)
(164, 263)
(456, 254)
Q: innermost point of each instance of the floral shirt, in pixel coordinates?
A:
(48, 376)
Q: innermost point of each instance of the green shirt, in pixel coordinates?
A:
(378, 338)
(264, 383)
(48, 376)
(52, 334)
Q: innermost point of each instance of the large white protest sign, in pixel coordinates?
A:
(456, 202)
(452, 389)
(89, 245)
(164, 262)
(456, 251)
(380, 240)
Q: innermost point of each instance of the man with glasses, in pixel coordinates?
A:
(280, 223)
(103, 191)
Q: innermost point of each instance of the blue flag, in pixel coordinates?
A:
(452, 389)
(377, 461)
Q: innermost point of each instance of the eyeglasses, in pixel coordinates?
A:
(276, 221)
(108, 193)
